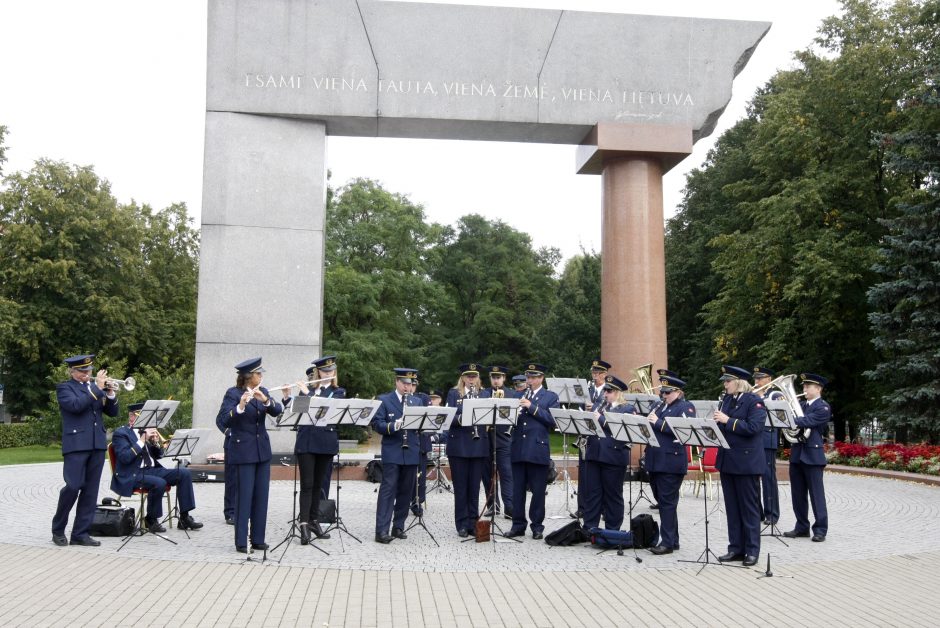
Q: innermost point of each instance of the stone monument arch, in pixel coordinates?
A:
(632, 92)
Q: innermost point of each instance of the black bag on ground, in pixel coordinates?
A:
(645, 531)
(607, 539)
(568, 534)
(327, 511)
(112, 521)
(374, 471)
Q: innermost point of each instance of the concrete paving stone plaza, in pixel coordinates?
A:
(878, 567)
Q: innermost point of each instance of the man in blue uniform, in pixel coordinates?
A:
(599, 370)
(808, 461)
(531, 452)
(770, 497)
(136, 466)
(605, 462)
(399, 458)
(81, 403)
(500, 441)
(668, 463)
(427, 440)
(741, 416)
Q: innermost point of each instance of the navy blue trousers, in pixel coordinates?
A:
(467, 475)
(81, 471)
(395, 493)
(252, 502)
(533, 477)
(666, 488)
(770, 497)
(807, 479)
(156, 479)
(503, 487)
(231, 490)
(602, 493)
(742, 507)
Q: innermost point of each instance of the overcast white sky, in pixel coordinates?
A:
(120, 85)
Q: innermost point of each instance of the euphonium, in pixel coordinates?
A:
(784, 384)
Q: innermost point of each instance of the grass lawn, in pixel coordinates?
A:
(31, 454)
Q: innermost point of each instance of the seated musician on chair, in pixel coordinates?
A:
(137, 467)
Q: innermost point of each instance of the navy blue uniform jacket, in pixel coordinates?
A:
(82, 425)
(460, 441)
(816, 417)
(744, 432)
(670, 456)
(319, 440)
(607, 450)
(530, 436)
(384, 423)
(248, 435)
(128, 455)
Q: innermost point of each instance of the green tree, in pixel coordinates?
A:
(906, 303)
(80, 272)
(573, 326)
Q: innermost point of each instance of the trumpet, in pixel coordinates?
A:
(115, 384)
(309, 382)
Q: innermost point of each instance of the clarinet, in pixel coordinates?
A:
(471, 394)
(526, 395)
(404, 404)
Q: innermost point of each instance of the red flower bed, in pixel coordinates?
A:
(915, 458)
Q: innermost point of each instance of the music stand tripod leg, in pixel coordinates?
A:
(338, 524)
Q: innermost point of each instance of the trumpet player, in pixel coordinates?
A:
(467, 451)
(668, 463)
(243, 412)
(740, 417)
(606, 461)
(399, 457)
(137, 466)
(315, 447)
(82, 401)
(500, 442)
(596, 391)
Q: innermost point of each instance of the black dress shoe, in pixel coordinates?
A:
(154, 526)
(729, 557)
(186, 522)
(60, 540)
(230, 520)
(304, 533)
(750, 561)
(819, 538)
(463, 533)
(793, 534)
(259, 546)
(318, 531)
(537, 535)
(507, 515)
(86, 540)
(383, 538)
(659, 550)
(241, 548)
(398, 533)
(514, 533)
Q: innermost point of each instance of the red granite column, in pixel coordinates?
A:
(633, 300)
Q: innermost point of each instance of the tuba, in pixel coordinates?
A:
(784, 384)
(643, 380)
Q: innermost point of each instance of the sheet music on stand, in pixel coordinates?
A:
(577, 422)
(355, 411)
(489, 412)
(780, 414)
(643, 403)
(631, 428)
(570, 390)
(697, 431)
(298, 414)
(156, 413)
(704, 408)
(180, 447)
(427, 418)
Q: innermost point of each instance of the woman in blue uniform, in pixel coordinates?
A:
(243, 413)
(741, 416)
(315, 447)
(668, 463)
(605, 462)
(467, 451)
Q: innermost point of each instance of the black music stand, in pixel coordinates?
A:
(155, 414)
(175, 449)
(700, 432)
(571, 391)
(422, 420)
(643, 403)
(440, 480)
(490, 413)
(300, 413)
(635, 430)
(357, 412)
(779, 415)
